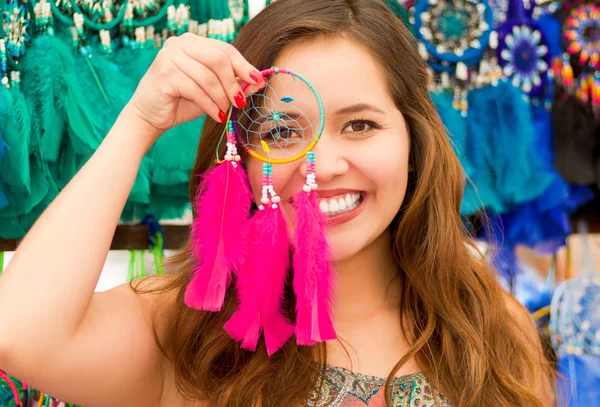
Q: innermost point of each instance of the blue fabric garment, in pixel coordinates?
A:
(575, 332)
(495, 144)
(505, 146)
(579, 384)
(543, 223)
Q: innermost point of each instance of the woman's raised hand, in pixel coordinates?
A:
(191, 76)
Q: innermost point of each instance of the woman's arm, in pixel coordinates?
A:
(54, 331)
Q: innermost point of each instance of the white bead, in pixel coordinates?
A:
(314, 186)
(275, 199)
(237, 157)
(274, 206)
(228, 157)
(306, 188)
(260, 207)
(264, 200)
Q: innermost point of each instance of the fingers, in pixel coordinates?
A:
(241, 67)
(225, 62)
(187, 88)
(207, 80)
(252, 89)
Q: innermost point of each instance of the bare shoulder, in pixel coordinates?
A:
(156, 296)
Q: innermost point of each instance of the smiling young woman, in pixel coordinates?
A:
(415, 308)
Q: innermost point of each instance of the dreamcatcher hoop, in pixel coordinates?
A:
(454, 31)
(233, 119)
(581, 34)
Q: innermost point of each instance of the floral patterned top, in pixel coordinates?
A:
(343, 388)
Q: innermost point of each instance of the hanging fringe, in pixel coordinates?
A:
(313, 273)
(137, 266)
(131, 268)
(222, 208)
(260, 284)
(157, 253)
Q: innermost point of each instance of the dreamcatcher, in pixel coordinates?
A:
(280, 124)
(523, 52)
(576, 110)
(581, 35)
(454, 36)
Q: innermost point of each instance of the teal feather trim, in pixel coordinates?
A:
(46, 76)
(42, 202)
(173, 154)
(15, 126)
(3, 148)
(135, 62)
(172, 162)
(119, 89)
(74, 98)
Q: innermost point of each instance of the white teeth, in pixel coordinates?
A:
(333, 205)
(345, 203)
(324, 206)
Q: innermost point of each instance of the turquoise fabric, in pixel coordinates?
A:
(70, 94)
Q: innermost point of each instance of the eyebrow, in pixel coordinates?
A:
(357, 108)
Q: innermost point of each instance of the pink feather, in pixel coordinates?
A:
(313, 274)
(260, 284)
(222, 207)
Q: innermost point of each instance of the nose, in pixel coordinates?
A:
(330, 160)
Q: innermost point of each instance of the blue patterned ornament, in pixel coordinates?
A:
(523, 51)
(524, 58)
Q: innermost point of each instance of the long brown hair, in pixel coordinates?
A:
(461, 332)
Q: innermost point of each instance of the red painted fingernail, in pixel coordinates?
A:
(256, 77)
(222, 116)
(240, 100)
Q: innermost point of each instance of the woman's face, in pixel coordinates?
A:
(362, 156)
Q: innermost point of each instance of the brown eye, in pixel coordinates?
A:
(358, 127)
